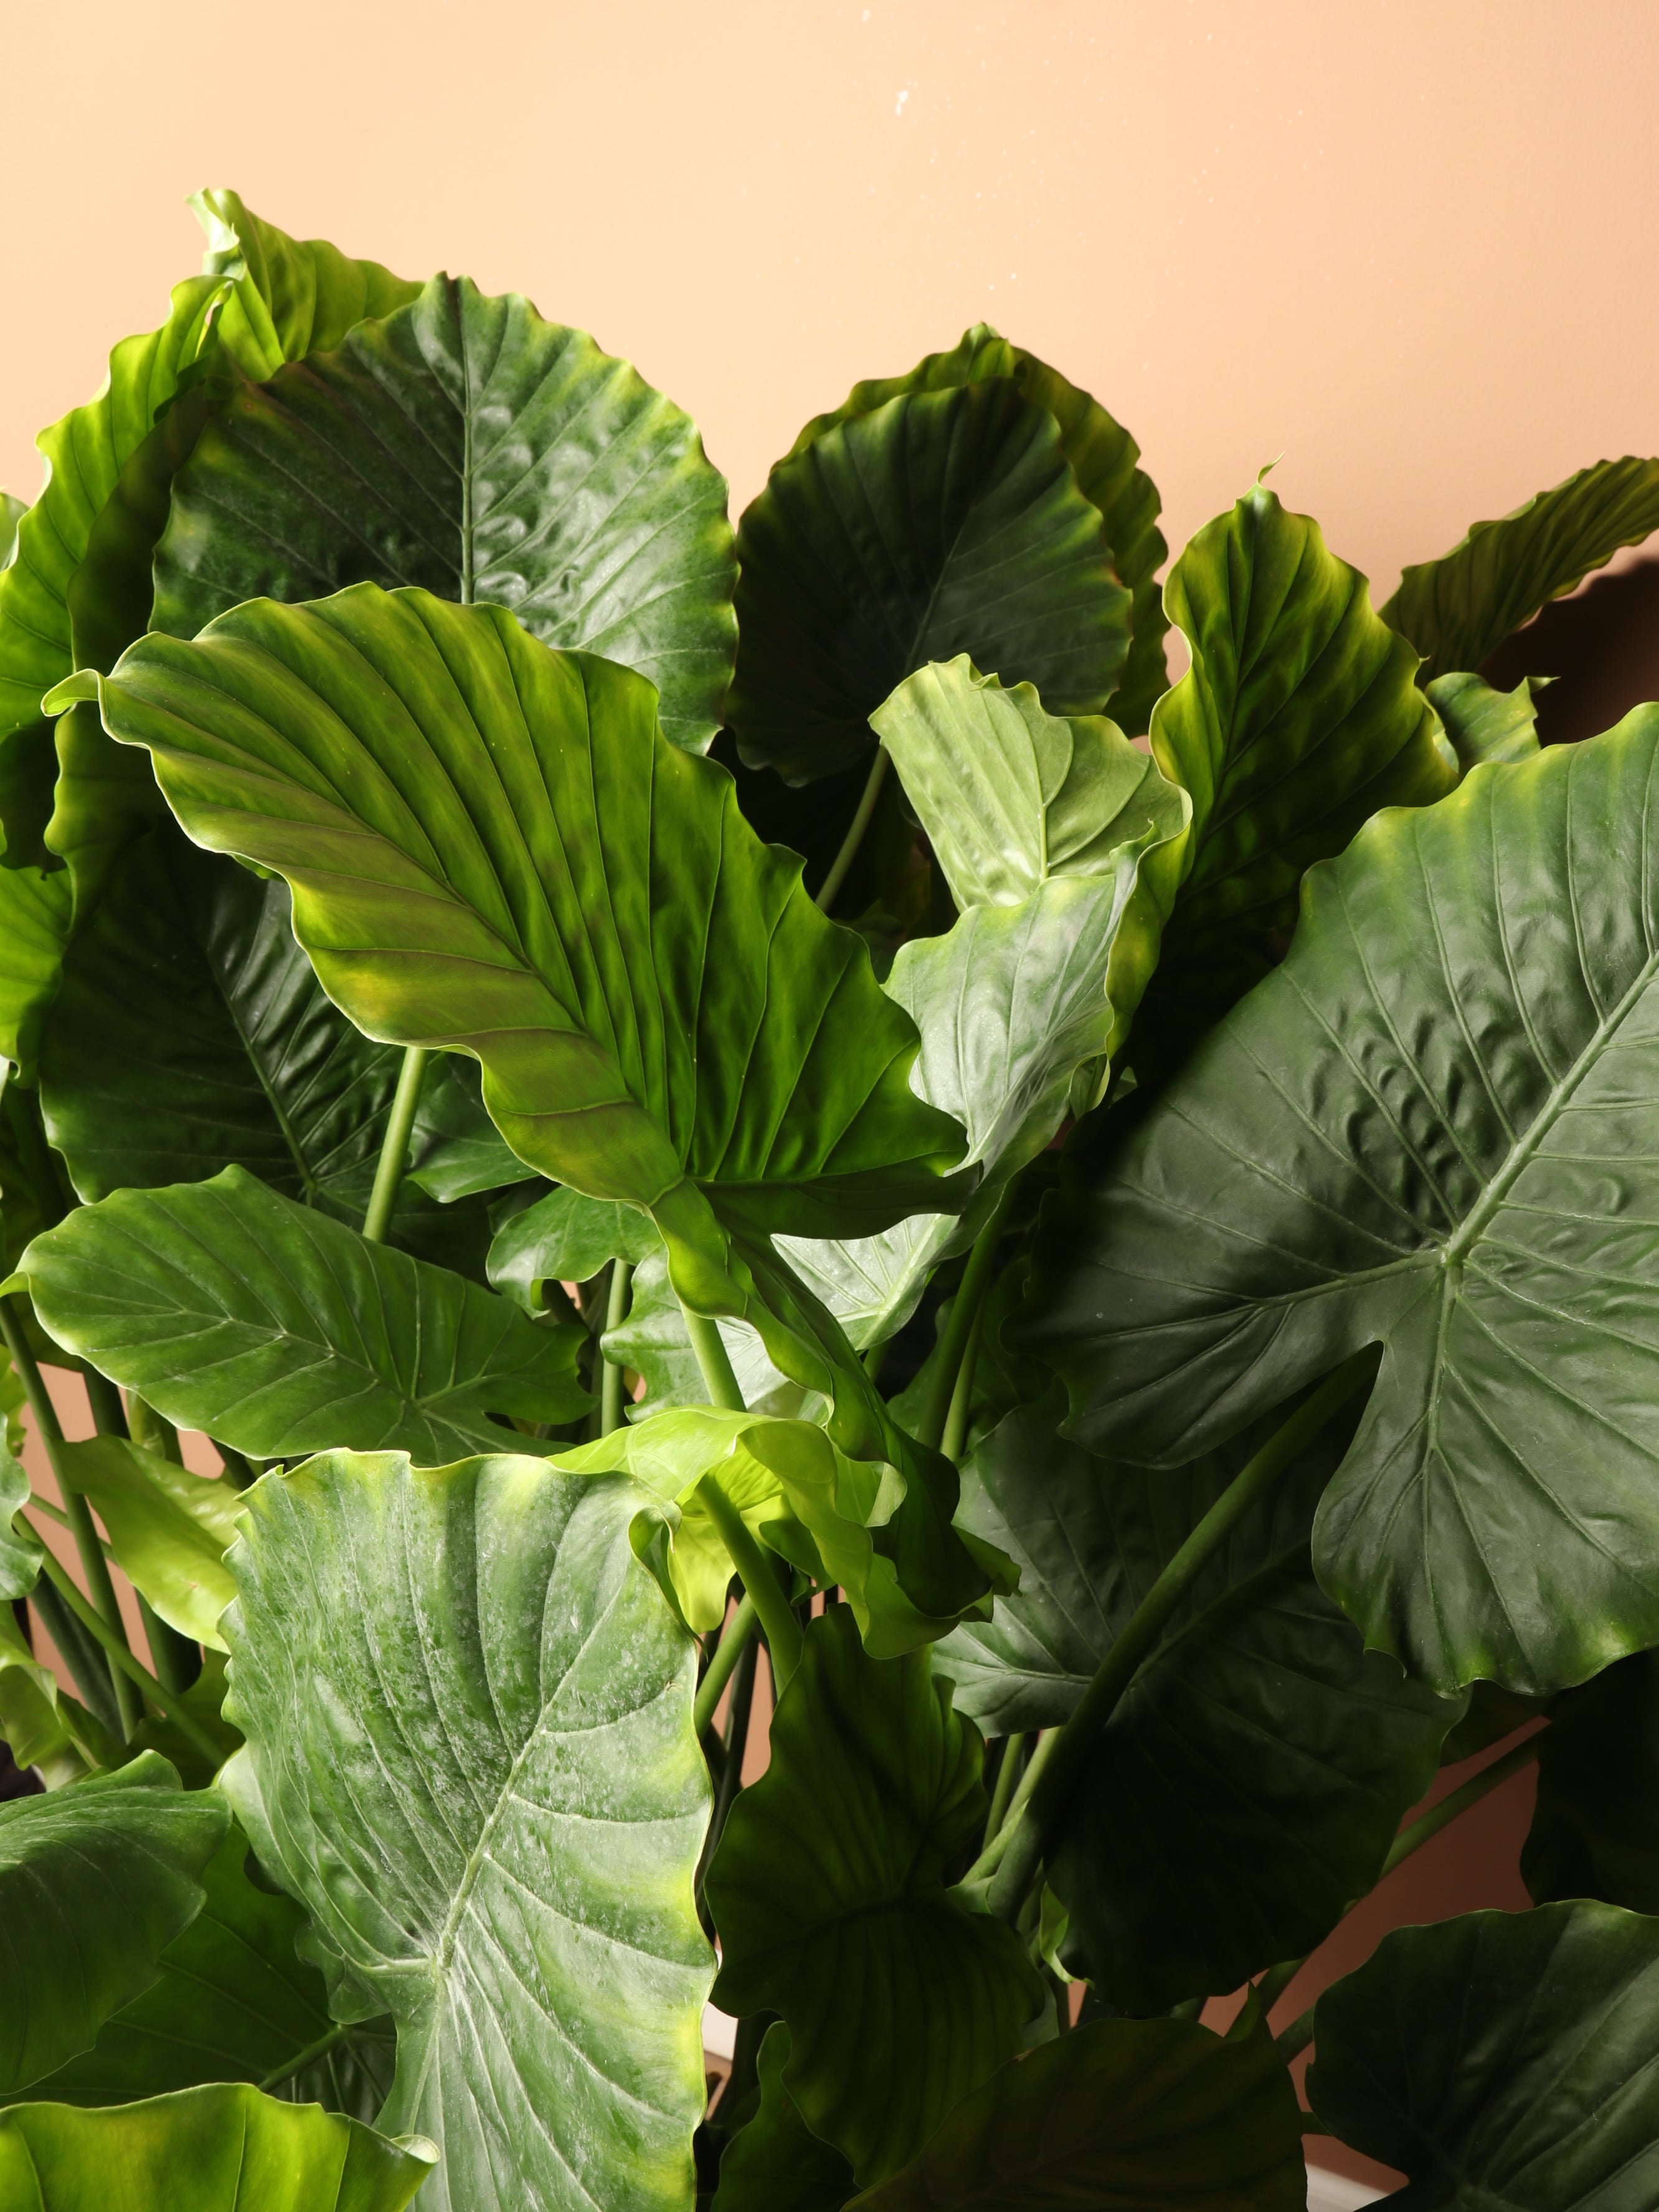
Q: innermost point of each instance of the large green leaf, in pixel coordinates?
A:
(466, 446)
(222, 2148)
(828, 1889)
(1298, 719)
(1261, 1705)
(945, 522)
(1104, 457)
(493, 848)
(1504, 2059)
(168, 1528)
(232, 2001)
(278, 1331)
(1433, 1126)
(95, 1883)
(1460, 608)
(470, 1757)
(190, 1033)
(1122, 2116)
(34, 920)
(775, 2163)
(1595, 1829)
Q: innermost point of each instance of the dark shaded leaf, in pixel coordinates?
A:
(775, 2163)
(1595, 1828)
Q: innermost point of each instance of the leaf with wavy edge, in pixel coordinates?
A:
(1103, 458)
(567, 1239)
(278, 1331)
(1457, 610)
(95, 1883)
(828, 1892)
(470, 1757)
(1432, 1127)
(212, 2149)
(168, 1528)
(775, 2163)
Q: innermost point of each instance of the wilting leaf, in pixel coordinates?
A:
(470, 1757)
(1431, 1127)
(828, 1889)
(279, 1331)
(1501, 2058)
(1595, 1830)
(95, 1883)
(463, 445)
(169, 1528)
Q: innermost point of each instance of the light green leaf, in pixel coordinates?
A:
(233, 2001)
(465, 445)
(1484, 724)
(944, 522)
(1460, 608)
(492, 847)
(95, 1883)
(470, 1757)
(654, 1343)
(34, 920)
(1104, 457)
(278, 1331)
(169, 1529)
(31, 1725)
(1504, 2058)
(1433, 1127)
(1596, 1826)
(20, 1552)
(566, 1238)
(1299, 719)
(216, 2149)
(827, 1891)
(190, 1034)
(12, 511)
(775, 2163)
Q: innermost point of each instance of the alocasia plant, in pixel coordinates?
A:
(1125, 1266)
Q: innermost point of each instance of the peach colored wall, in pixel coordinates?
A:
(1406, 242)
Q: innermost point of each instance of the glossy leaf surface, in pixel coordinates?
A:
(1501, 2058)
(500, 1850)
(95, 1883)
(1121, 2116)
(169, 1528)
(566, 1238)
(775, 2163)
(1596, 1826)
(463, 445)
(1484, 724)
(1460, 608)
(828, 1889)
(278, 1331)
(216, 2149)
(945, 522)
(1431, 1127)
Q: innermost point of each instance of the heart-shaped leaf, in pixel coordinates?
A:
(1460, 608)
(944, 522)
(492, 847)
(95, 1883)
(1414, 1131)
(279, 1331)
(233, 2001)
(169, 1528)
(466, 446)
(1501, 2058)
(214, 2149)
(1261, 1704)
(1595, 1829)
(501, 1850)
(775, 2163)
(1160, 2115)
(828, 1889)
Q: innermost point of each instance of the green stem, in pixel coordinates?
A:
(1077, 1739)
(81, 1653)
(714, 1360)
(302, 2059)
(731, 1781)
(1296, 2037)
(240, 1472)
(610, 1388)
(152, 1431)
(119, 1655)
(829, 888)
(94, 1566)
(955, 1421)
(1007, 1775)
(777, 1615)
(394, 1145)
(739, 1635)
(178, 1660)
(997, 1849)
(959, 1328)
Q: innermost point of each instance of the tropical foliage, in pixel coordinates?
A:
(754, 1138)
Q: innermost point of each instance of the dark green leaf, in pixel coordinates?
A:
(470, 1757)
(566, 1238)
(1460, 608)
(35, 922)
(775, 2163)
(828, 1889)
(221, 2148)
(279, 1331)
(203, 1702)
(945, 522)
(1596, 1831)
(96, 1881)
(1122, 2116)
(465, 446)
(1503, 2059)
(455, 1150)
(1484, 724)
(1433, 1126)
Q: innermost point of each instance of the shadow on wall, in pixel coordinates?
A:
(1602, 648)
